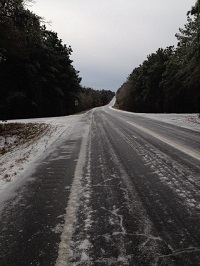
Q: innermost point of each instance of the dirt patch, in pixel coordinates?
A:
(15, 134)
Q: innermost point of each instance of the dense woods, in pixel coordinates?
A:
(90, 98)
(169, 79)
(37, 77)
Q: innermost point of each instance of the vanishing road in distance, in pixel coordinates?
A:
(115, 189)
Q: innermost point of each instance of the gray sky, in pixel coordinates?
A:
(110, 38)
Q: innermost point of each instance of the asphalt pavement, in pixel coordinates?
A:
(123, 189)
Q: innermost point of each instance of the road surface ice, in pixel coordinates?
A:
(129, 192)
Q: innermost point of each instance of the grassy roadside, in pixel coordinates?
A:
(15, 134)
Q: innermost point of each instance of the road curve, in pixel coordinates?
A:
(123, 189)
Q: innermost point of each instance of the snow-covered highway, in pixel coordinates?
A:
(114, 188)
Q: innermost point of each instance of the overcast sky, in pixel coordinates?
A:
(110, 38)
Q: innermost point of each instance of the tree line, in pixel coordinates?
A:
(169, 79)
(90, 98)
(37, 77)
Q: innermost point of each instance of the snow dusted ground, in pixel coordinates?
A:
(21, 157)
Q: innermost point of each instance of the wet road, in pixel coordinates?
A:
(122, 189)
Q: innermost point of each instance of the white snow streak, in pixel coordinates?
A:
(65, 251)
(193, 153)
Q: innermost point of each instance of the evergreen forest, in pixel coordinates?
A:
(169, 79)
(37, 77)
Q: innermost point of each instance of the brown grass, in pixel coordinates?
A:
(24, 133)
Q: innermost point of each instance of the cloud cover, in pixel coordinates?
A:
(110, 38)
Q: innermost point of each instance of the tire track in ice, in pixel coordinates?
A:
(162, 165)
(193, 153)
(119, 211)
(176, 176)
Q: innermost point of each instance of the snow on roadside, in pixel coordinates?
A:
(21, 154)
(19, 158)
(189, 121)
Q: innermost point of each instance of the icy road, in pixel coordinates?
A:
(114, 189)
